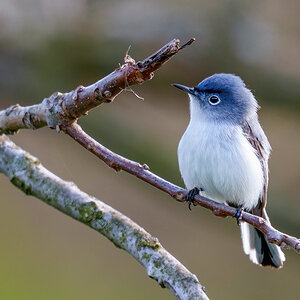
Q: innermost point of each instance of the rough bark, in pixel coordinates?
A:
(64, 108)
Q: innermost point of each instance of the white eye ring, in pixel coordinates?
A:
(214, 100)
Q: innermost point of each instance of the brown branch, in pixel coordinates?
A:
(118, 163)
(61, 109)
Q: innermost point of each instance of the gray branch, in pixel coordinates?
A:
(27, 173)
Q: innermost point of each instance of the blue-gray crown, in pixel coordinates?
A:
(221, 83)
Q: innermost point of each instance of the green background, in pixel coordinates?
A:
(47, 46)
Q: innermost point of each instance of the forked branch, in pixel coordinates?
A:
(61, 111)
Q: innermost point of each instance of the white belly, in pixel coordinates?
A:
(222, 162)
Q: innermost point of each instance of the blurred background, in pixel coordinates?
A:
(48, 46)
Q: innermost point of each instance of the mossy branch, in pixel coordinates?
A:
(27, 173)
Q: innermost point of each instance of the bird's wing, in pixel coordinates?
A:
(258, 140)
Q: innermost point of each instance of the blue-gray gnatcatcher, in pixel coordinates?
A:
(224, 154)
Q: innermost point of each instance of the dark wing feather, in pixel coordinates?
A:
(255, 243)
(258, 140)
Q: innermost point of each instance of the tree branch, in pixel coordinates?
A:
(118, 163)
(62, 109)
(27, 173)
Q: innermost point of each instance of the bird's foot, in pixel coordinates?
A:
(191, 195)
(238, 214)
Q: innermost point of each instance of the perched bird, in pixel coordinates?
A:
(224, 154)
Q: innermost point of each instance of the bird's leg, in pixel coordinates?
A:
(238, 214)
(191, 195)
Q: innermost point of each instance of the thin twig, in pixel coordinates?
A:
(188, 43)
(118, 163)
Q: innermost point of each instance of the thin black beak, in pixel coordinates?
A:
(185, 88)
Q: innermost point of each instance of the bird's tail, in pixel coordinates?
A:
(258, 248)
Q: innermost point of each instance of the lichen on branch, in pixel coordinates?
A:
(28, 174)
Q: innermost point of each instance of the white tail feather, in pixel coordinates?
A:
(260, 251)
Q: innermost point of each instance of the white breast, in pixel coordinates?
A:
(219, 159)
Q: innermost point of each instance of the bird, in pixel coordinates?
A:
(223, 155)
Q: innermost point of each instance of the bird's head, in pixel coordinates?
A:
(221, 97)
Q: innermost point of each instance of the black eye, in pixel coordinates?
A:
(214, 100)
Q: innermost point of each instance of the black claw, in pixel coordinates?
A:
(191, 195)
(238, 214)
